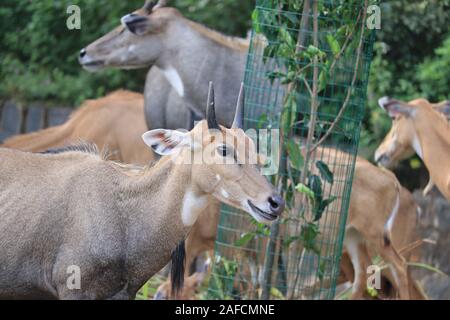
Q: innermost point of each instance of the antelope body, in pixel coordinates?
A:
(183, 57)
(117, 224)
(114, 123)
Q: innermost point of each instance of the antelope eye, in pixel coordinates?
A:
(223, 150)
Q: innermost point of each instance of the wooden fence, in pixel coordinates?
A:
(16, 118)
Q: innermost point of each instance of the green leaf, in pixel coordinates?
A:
(305, 190)
(372, 292)
(325, 172)
(322, 269)
(286, 37)
(275, 75)
(245, 239)
(308, 235)
(415, 163)
(287, 242)
(295, 155)
(315, 184)
(274, 292)
(320, 207)
(334, 44)
(255, 19)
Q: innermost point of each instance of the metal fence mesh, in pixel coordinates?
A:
(306, 75)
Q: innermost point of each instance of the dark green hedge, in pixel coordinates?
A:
(38, 54)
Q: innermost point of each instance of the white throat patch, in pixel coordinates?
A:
(417, 147)
(192, 207)
(175, 80)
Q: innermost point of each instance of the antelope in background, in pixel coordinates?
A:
(382, 219)
(422, 128)
(114, 123)
(118, 223)
(182, 55)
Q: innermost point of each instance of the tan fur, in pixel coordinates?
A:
(115, 122)
(433, 133)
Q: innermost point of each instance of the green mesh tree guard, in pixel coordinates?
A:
(306, 75)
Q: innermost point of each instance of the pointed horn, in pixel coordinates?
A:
(160, 4)
(151, 5)
(210, 109)
(238, 122)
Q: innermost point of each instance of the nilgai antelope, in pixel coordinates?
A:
(114, 123)
(418, 128)
(183, 56)
(118, 224)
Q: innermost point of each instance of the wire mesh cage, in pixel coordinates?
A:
(306, 80)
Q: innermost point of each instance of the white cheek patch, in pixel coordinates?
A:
(175, 80)
(417, 147)
(192, 207)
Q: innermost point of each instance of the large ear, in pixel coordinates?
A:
(136, 24)
(166, 142)
(395, 108)
(444, 108)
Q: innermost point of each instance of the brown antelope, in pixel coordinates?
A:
(118, 224)
(418, 128)
(114, 122)
(378, 211)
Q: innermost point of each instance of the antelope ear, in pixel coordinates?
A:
(444, 108)
(136, 24)
(166, 142)
(394, 107)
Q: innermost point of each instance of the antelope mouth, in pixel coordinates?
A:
(93, 65)
(264, 214)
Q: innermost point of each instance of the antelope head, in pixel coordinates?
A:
(224, 162)
(402, 141)
(138, 42)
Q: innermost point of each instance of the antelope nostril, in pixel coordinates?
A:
(82, 52)
(276, 203)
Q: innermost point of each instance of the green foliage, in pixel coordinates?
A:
(39, 55)
(222, 279)
(434, 74)
(411, 60)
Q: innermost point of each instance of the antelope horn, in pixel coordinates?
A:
(210, 109)
(238, 121)
(160, 4)
(151, 5)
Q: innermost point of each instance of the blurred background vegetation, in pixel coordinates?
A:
(38, 55)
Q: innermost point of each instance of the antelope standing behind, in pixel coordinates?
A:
(418, 128)
(183, 56)
(375, 200)
(118, 224)
(114, 123)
